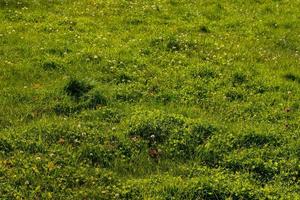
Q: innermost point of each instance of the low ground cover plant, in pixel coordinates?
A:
(136, 99)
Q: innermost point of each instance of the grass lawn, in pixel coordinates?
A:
(140, 99)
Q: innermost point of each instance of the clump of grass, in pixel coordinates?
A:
(124, 78)
(4, 123)
(206, 191)
(176, 45)
(54, 133)
(292, 77)
(91, 100)
(258, 88)
(97, 155)
(31, 147)
(287, 43)
(154, 126)
(66, 109)
(258, 168)
(5, 146)
(106, 114)
(94, 99)
(135, 21)
(239, 78)
(156, 42)
(256, 139)
(77, 88)
(201, 132)
(201, 93)
(234, 95)
(204, 29)
(185, 143)
(14, 4)
(91, 57)
(263, 171)
(208, 156)
(111, 115)
(165, 97)
(128, 94)
(58, 51)
(51, 65)
(204, 72)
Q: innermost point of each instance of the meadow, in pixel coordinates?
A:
(140, 99)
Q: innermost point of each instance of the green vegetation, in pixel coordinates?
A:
(162, 99)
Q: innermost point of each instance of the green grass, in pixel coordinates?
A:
(128, 99)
